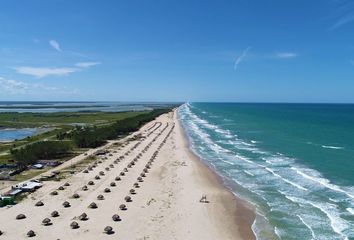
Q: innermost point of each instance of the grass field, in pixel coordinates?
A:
(20, 120)
(58, 122)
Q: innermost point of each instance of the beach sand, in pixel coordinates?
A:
(165, 206)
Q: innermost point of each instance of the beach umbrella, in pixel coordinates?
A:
(54, 214)
(116, 218)
(20, 216)
(31, 233)
(66, 204)
(39, 204)
(46, 222)
(74, 225)
(83, 217)
(108, 230)
(93, 205)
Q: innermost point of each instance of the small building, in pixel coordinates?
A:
(38, 166)
(29, 186)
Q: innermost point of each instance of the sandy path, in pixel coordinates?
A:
(165, 206)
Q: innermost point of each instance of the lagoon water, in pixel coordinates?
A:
(49, 107)
(13, 134)
(294, 162)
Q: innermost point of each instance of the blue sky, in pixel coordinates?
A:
(139, 50)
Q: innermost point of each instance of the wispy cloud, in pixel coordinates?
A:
(342, 14)
(241, 57)
(86, 64)
(19, 87)
(41, 72)
(286, 55)
(44, 71)
(54, 44)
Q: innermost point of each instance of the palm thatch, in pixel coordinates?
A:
(108, 230)
(100, 197)
(66, 204)
(74, 225)
(39, 204)
(31, 233)
(75, 195)
(107, 190)
(128, 199)
(54, 214)
(90, 183)
(46, 222)
(83, 217)
(93, 205)
(116, 218)
(20, 216)
(122, 207)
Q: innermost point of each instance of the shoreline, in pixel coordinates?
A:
(243, 212)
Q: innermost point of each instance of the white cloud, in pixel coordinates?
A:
(54, 44)
(241, 57)
(86, 64)
(44, 72)
(286, 55)
(18, 87)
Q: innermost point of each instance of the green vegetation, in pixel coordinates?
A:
(60, 125)
(18, 120)
(96, 136)
(41, 150)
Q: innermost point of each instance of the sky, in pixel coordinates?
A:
(177, 50)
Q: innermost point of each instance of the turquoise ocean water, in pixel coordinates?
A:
(293, 162)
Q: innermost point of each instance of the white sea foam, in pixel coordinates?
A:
(337, 223)
(308, 226)
(351, 210)
(324, 182)
(332, 147)
(249, 173)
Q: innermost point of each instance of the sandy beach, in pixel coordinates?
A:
(164, 204)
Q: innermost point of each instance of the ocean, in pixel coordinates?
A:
(293, 162)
